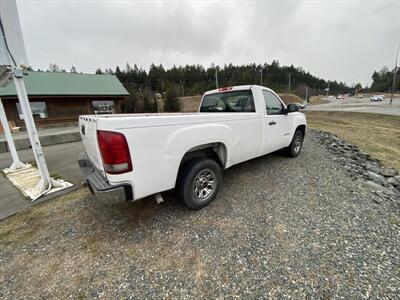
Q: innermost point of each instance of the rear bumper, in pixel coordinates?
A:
(99, 185)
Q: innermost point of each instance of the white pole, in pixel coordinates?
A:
(16, 164)
(327, 90)
(46, 182)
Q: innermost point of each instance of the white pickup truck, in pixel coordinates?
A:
(131, 156)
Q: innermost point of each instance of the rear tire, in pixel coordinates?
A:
(294, 149)
(198, 182)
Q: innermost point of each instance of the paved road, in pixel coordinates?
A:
(359, 105)
(61, 160)
(279, 228)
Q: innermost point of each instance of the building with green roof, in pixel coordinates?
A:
(61, 97)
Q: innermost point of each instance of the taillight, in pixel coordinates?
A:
(224, 89)
(114, 152)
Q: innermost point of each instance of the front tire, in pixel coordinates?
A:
(294, 149)
(198, 182)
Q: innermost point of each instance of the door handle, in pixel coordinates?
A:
(272, 123)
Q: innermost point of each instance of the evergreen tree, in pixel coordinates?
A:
(130, 105)
(53, 67)
(382, 80)
(172, 102)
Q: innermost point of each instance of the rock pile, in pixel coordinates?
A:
(384, 181)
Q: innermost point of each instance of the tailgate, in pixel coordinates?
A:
(88, 130)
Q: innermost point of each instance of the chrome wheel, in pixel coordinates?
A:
(298, 141)
(204, 184)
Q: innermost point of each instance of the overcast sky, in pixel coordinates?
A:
(335, 40)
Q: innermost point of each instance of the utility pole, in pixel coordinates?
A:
(216, 77)
(306, 93)
(216, 74)
(183, 89)
(289, 81)
(261, 73)
(394, 77)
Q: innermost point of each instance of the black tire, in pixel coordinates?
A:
(294, 149)
(197, 195)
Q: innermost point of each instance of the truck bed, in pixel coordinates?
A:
(141, 129)
(162, 119)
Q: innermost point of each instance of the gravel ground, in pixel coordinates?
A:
(279, 228)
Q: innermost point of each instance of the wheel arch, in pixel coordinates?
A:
(214, 150)
(302, 128)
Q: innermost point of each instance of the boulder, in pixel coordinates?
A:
(362, 155)
(373, 167)
(393, 181)
(379, 179)
(377, 187)
(388, 172)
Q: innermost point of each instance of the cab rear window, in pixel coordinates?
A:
(235, 101)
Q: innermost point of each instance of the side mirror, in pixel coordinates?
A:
(292, 107)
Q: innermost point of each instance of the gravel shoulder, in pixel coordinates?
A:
(279, 228)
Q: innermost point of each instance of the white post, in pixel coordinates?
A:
(16, 164)
(46, 182)
(327, 90)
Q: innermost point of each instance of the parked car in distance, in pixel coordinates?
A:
(360, 96)
(131, 156)
(377, 98)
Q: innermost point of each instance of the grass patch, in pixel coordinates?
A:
(374, 133)
(56, 176)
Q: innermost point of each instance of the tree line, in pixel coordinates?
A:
(196, 79)
(188, 80)
(191, 80)
(382, 81)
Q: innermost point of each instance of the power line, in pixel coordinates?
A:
(5, 42)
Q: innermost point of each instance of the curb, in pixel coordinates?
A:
(45, 140)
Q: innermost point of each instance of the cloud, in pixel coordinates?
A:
(334, 40)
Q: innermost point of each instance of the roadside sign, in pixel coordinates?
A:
(11, 40)
(13, 59)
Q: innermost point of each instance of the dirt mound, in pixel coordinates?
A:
(291, 98)
(190, 104)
